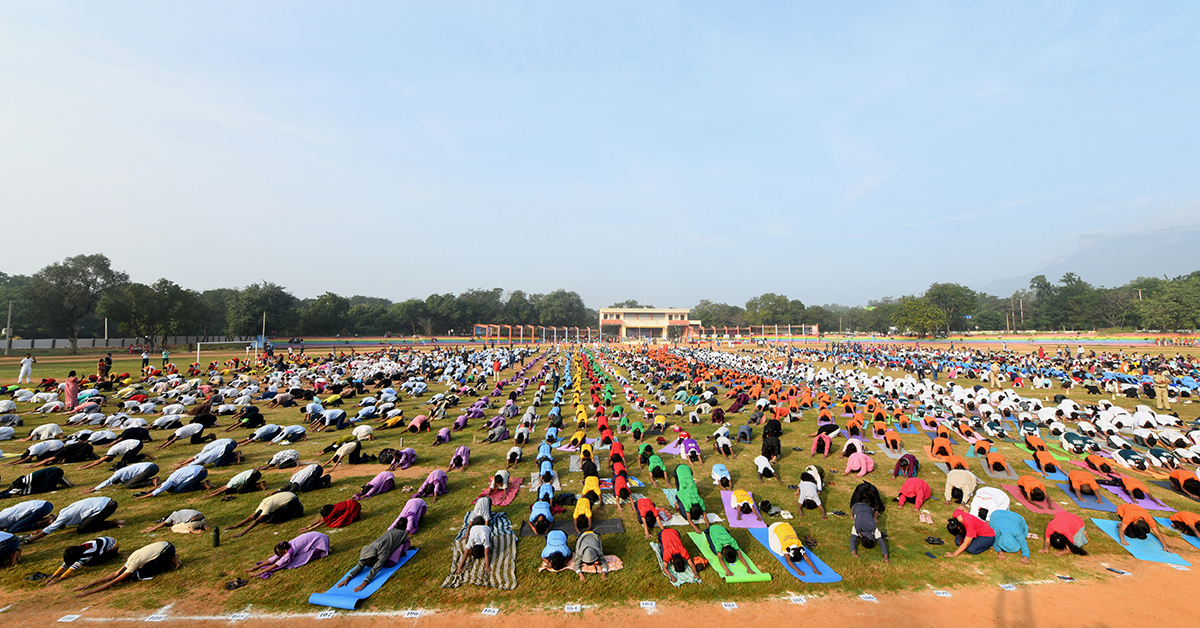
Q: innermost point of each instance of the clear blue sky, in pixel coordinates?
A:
(662, 151)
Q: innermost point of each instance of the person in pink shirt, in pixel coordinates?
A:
(860, 462)
(298, 552)
(71, 391)
(915, 490)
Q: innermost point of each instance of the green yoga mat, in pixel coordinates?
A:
(739, 571)
(1059, 457)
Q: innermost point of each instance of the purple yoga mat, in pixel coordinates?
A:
(672, 449)
(1145, 502)
(748, 521)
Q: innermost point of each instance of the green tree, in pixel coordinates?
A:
(155, 311)
(64, 293)
(325, 316)
(368, 319)
(215, 306)
(411, 316)
(244, 314)
(773, 309)
(631, 303)
(519, 310)
(953, 300)
(717, 314)
(563, 308)
(918, 316)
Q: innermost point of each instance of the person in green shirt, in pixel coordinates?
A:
(637, 429)
(683, 477)
(691, 506)
(722, 543)
(658, 469)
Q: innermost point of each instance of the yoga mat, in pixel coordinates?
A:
(504, 565)
(738, 569)
(680, 578)
(748, 521)
(1083, 465)
(504, 498)
(1145, 502)
(346, 598)
(895, 455)
(971, 452)
(1141, 549)
(1047, 507)
(928, 449)
(671, 449)
(1057, 476)
(763, 536)
(570, 448)
(912, 429)
(1171, 487)
(950, 437)
(1009, 474)
(575, 466)
(1103, 506)
(1058, 457)
(535, 482)
(1166, 523)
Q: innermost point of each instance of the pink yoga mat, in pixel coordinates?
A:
(504, 498)
(1052, 506)
(748, 521)
(1145, 502)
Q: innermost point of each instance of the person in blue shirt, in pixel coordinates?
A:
(190, 478)
(556, 555)
(540, 517)
(721, 476)
(1011, 533)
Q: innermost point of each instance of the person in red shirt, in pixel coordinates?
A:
(674, 554)
(972, 534)
(915, 490)
(647, 514)
(1066, 533)
(1136, 523)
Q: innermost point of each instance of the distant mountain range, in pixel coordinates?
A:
(1111, 260)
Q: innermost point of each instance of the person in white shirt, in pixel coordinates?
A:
(26, 373)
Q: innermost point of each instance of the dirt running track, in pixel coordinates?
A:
(1153, 588)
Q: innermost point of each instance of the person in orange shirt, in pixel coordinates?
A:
(941, 447)
(981, 448)
(1098, 463)
(1186, 523)
(943, 432)
(1033, 489)
(1083, 483)
(1045, 462)
(1136, 523)
(1033, 443)
(996, 462)
(879, 427)
(956, 462)
(1186, 482)
(891, 440)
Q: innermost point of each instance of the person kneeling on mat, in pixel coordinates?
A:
(378, 555)
(479, 546)
(972, 534)
(785, 543)
(557, 554)
(722, 543)
(674, 554)
(1136, 523)
(1067, 534)
(589, 551)
(277, 508)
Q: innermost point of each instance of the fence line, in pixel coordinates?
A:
(25, 344)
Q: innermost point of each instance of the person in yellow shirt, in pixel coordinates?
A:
(786, 544)
(582, 515)
(744, 505)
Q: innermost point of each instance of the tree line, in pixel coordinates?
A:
(73, 297)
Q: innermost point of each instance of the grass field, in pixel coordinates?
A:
(206, 569)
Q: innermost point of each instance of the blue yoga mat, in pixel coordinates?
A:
(1103, 506)
(1057, 476)
(763, 536)
(1142, 549)
(346, 597)
(1166, 523)
(912, 429)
